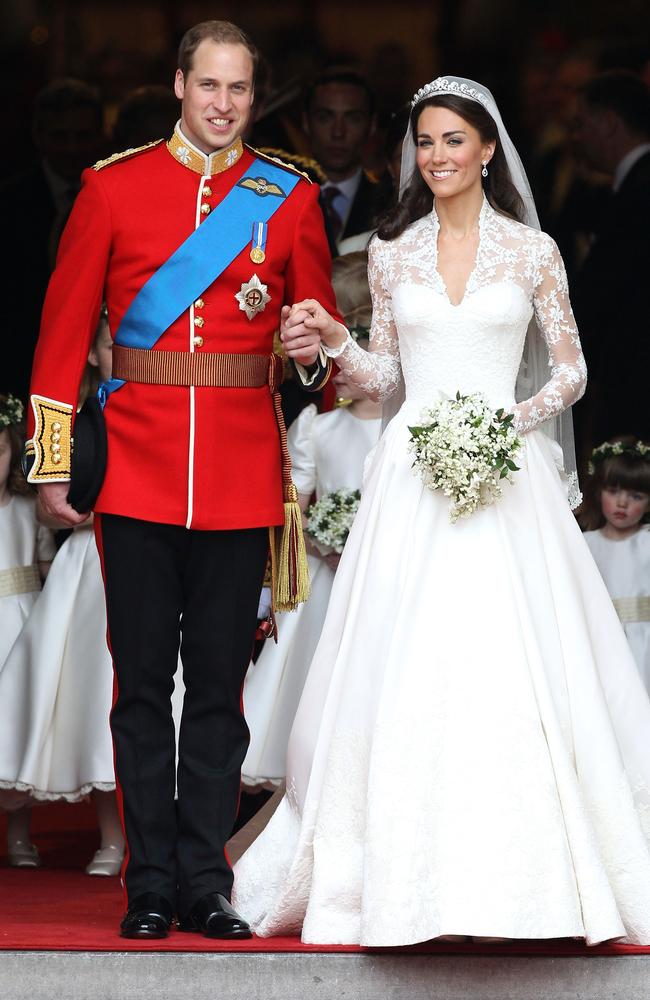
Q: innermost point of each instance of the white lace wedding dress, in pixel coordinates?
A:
(471, 754)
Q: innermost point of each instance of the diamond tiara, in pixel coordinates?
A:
(441, 85)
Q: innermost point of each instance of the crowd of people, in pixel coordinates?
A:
(329, 688)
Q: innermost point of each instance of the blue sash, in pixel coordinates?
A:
(200, 259)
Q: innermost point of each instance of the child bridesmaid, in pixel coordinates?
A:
(616, 513)
(56, 689)
(26, 551)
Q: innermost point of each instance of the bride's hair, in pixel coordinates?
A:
(418, 199)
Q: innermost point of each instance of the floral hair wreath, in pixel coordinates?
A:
(609, 449)
(12, 410)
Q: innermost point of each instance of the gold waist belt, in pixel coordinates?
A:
(19, 580)
(633, 609)
(234, 371)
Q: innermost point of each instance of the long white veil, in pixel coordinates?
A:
(534, 369)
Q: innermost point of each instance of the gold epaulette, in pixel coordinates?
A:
(125, 154)
(52, 441)
(282, 163)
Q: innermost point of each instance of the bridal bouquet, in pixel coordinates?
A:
(465, 448)
(329, 519)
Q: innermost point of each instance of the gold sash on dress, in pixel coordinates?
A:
(633, 609)
(19, 580)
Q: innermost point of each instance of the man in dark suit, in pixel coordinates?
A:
(612, 132)
(339, 119)
(67, 126)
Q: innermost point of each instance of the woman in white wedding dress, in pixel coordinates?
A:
(471, 754)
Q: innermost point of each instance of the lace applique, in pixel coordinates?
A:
(574, 491)
(509, 256)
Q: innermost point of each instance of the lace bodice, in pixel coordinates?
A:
(476, 345)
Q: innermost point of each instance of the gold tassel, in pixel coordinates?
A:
(289, 570)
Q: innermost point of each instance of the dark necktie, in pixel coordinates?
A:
(334, 220)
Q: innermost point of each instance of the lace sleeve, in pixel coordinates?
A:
(376, 371)
(558, 327)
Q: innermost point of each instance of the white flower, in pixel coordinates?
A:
(465, 449)
(329, 519)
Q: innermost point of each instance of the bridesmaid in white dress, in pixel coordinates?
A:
(471, 754)
(57, 683)
(26, 551)
(328, 451)
(617, 510)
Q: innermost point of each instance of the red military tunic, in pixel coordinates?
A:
(207, 458)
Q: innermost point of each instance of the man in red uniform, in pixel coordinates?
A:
(193, 479)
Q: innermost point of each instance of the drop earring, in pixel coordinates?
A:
(484, 171)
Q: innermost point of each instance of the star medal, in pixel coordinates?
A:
(258, 244)
(253, 297)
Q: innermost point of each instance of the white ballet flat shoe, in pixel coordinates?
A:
(23, 854)
(106, 861)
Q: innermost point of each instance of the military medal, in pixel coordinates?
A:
(258, 246)
(253, 297)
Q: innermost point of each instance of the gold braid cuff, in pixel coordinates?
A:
(52, 441)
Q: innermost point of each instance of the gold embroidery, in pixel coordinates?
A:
(125, 154)
(275, 159)
(297, 160)
(52, 441)
(200, 162)
(262, 187)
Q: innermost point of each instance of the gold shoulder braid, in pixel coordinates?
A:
(281, 163)
(298, 160)
(125, 154)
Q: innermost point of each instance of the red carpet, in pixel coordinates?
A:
(59, 908)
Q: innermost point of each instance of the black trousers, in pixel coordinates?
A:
(167, 588)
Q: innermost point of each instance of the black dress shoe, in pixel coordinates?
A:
(214, 916)
(148, 916)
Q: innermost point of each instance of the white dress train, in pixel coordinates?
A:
(471, 754)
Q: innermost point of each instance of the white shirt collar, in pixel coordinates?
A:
(628, 161)
(349, 186)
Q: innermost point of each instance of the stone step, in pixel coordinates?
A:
(147, 975)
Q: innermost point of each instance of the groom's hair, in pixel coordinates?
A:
(221, 32)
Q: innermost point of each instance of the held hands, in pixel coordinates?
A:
(54, 501)
(303, 326)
